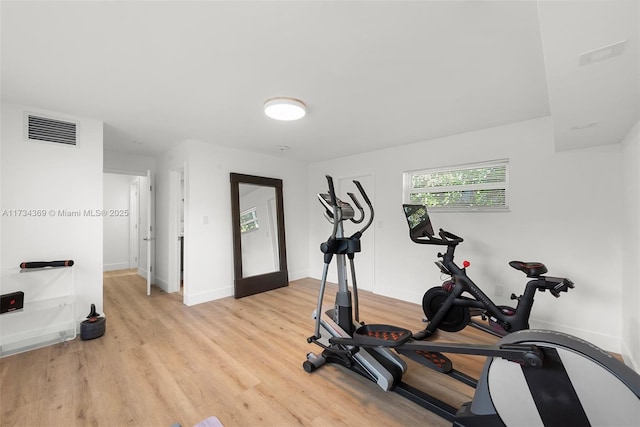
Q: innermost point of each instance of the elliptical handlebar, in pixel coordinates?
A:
(359, 206)
(364, 194)
(337, 212)
(332, 191)
(369, 204)
(337, 205)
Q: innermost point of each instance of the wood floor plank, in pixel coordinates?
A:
(161, 362)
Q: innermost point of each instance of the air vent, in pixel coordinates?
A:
(51, 130)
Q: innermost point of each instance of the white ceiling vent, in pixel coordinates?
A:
(39, 128)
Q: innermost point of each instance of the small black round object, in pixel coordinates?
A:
(94, 326)
(90, 330)
(533, 360)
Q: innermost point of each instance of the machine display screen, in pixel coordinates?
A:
(418, 220)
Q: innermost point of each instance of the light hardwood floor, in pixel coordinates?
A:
(161, 363)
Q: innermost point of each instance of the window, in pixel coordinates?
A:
(475, 187)
(248, 220)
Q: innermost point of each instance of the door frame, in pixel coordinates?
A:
(134, 223)
(173, 243)
(150, 274)
(151, 231)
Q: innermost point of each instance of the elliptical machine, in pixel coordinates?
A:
(448, 309)
(531, 377)
(379, 364)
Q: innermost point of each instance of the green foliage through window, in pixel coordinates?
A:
(459, 177)
(248, 220)
(470, 187)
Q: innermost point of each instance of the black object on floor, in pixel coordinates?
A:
(94, 326)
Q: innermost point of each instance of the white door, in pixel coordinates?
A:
(364, 260)
(150, 231)
(176, 228)
(134, 237)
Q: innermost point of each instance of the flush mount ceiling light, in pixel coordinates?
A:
(283, 108)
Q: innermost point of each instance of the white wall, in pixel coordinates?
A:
(116, 226)
(51, 177)
(128, 163)
(562, 213)
(631, 248)
(208, 239)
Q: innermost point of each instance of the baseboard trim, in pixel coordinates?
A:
(116, 266)
(296, 275)
(202, 297)
(162, 284)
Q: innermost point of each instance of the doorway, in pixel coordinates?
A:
(127, 208)
(178, 280)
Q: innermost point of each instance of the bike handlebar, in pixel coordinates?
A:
(450, 237)
(446, 239)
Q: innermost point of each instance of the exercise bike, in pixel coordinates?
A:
(530, 377)
(448, 307)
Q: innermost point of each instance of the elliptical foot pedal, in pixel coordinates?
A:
(431, 359)
(381, 336)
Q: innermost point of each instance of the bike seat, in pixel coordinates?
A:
(531, 269)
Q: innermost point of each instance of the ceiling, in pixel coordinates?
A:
(373, 74)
